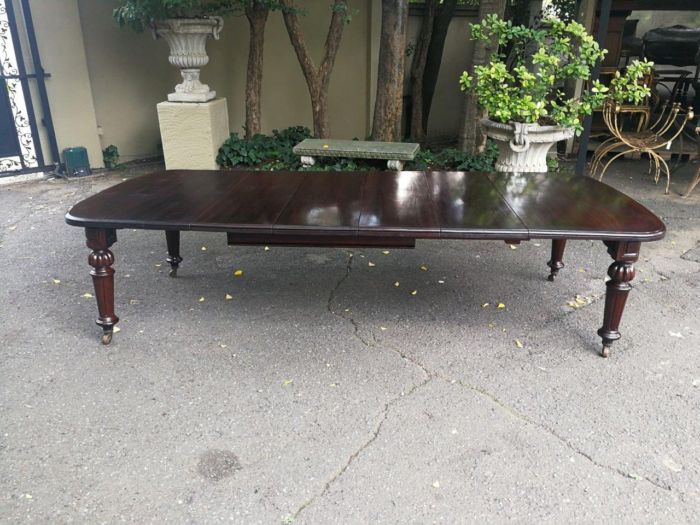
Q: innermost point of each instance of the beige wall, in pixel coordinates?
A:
(130, 74)
(62, 50)
(107, 81)
(285, 98)
(443, 123)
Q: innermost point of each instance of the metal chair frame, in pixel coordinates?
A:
(667, 127)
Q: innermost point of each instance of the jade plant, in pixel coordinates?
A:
(524, 81)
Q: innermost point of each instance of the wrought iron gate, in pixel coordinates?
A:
(24, 147)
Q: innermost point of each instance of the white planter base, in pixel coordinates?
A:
(523, 147)
(193, 133)
(192, 97)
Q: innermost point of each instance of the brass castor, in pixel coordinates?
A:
(107, 337)
(605, 352)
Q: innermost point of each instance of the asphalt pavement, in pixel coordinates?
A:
(312, 389)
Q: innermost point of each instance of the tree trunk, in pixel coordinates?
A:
(420, 57)
(257, 18)
(388, 107)
(435, 50)
(317, 79)
(471, 139)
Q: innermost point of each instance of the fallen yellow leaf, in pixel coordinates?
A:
(87, 295)
(501, 305)
(228, 297)
(485, 305)
(204, 248)
(513, 247)
(371, 264)
(56, 281)
(157, 265)
(238, 273)
(116, 330)
(382, 328)
(287, 382)
(13, 227)
(201, 299)
(386, 252)
(518, 343)
(221, 345)
(414, 292)
(397, 284)
(267, 248)
(424, 268)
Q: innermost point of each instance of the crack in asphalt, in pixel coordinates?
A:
(387, 406)
(430, 375)
(373, 437)
(331, 297)
(518, 415)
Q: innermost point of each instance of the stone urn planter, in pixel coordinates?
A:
(187, 38)
(523, 147)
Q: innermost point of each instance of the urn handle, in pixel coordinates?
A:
(520, 141)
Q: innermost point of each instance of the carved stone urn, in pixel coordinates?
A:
(187, 38)
(523, 147)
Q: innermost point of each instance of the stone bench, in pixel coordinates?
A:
(393, 152)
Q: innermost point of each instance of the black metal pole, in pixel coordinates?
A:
(603, 20)
(41, 82)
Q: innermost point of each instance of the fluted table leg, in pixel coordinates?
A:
(101, 259)
(621, 272)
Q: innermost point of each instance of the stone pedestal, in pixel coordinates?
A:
(192, 133)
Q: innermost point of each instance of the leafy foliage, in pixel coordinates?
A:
(454, 159)
(110, 156)
(527, 84)
(267, 152)
(629, 87)
(141, 14)
(274, 152)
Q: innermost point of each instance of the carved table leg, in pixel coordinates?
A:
(555, 263)
(173, 239)
(101, 259)
(621, 272)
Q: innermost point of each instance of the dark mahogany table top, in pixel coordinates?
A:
(419, 205)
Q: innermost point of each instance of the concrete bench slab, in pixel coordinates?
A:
(394, 152)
